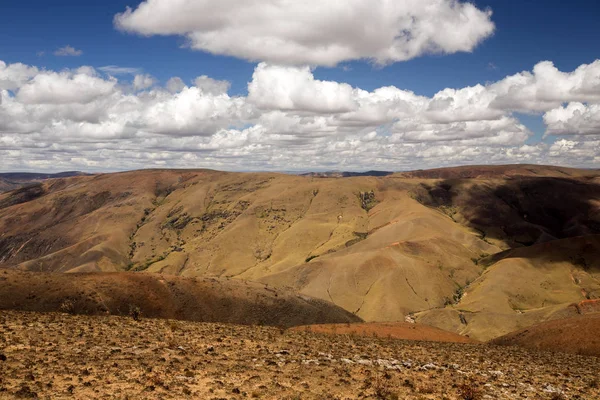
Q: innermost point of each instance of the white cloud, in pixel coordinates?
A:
(175, 85)
(81, 86)
(546, 88)
(141, 82)
(192, 112)
(291, 88)
(12, 76)
(79, 119)
(504, 131)
(211, 86)
(574, 119)
(116, 70)
(68, 51)
(313, 31)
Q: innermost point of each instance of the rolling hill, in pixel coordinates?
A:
(444, 245)
(577, 335)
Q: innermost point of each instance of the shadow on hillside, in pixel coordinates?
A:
(23, 195)
(521, 211)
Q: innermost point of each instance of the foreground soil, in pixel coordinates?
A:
(578, 335)
(62, 356)
(389, 330)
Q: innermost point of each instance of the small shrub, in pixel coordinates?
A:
(382, 388)
(135, 312)
(67, 307)
(173, 325)
(469, 391)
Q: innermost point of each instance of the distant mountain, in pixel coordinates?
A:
(345, 174)
(15, 180)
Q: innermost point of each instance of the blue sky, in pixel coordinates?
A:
(526, 32)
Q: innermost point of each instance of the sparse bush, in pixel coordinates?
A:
(382, 388)
(135, 312)
(469, 391)
(367, 200)
(67, 307)
(458, 294)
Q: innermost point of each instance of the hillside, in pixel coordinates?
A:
(526, 286)
(163, 296)
(381, 247)
(578, 335)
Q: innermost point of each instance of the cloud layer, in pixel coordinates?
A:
(85, 119)
(315, 32)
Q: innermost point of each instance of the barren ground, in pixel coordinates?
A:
(62, 356)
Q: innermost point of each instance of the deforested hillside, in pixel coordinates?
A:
(435, 244)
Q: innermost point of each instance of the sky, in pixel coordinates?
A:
(248, 85)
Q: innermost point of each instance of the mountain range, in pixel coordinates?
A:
(479, 251)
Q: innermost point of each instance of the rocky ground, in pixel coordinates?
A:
(62, 356)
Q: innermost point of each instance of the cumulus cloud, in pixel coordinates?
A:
(80, 86)
(116, 70)
(574, 119)
(290, 120)
(68, 51)
(291, 88)
(315, 32)
(12, 76)
(192, 112)
(141, 82)
(546, 88)
(175, 84)
(211, 86)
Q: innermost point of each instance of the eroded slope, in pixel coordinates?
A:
(164, 296)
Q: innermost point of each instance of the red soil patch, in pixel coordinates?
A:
(578, 335)
(391, 330)
(589, 306)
